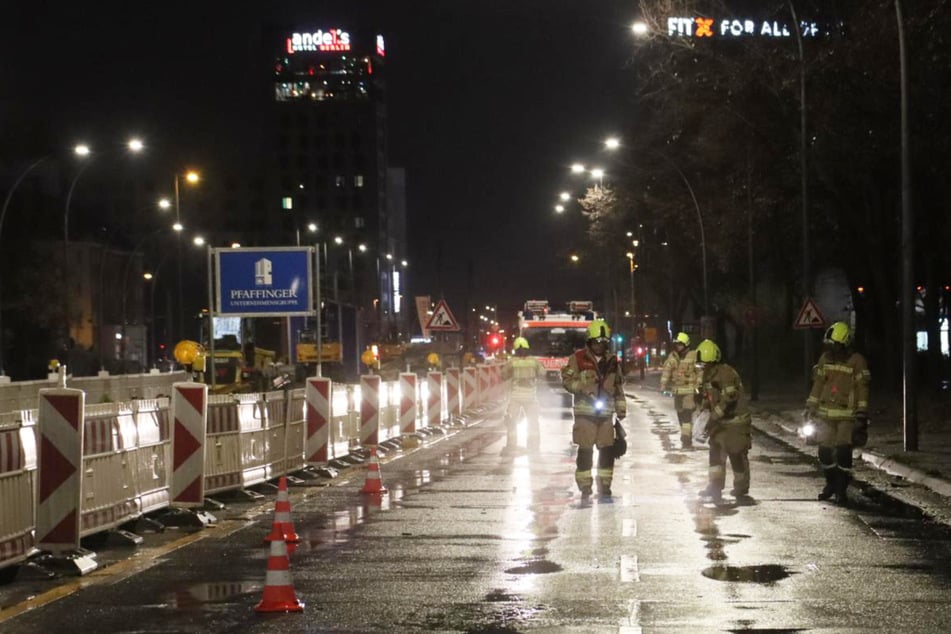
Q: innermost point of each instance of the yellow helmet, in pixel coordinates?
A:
(708, 352)
(598, 329)
(839, 332)
(683, 338)
(520, 342)
(432, 359)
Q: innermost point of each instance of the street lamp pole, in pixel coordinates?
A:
(910, 401)
(3, 215)
(81, 150)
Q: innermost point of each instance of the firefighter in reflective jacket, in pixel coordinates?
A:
(526, 373)
(679, 379)
(838, 402)
(594, 377)
(730, 425)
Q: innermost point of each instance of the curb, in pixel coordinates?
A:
(885, 464)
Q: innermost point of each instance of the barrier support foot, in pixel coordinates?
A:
(187, 518)
(79, 561)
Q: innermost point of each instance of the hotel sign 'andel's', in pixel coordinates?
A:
(701, 27)
(330, 40)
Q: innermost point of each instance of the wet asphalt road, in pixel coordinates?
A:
(484, 533)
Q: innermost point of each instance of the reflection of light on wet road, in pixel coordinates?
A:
(516, 523)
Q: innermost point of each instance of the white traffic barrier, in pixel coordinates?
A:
(294, 432)
(470, 388)
(17, 483)
(235, 447)
(408, 396)
(344, 419)
(189, 412)
(453, 399)
(152, 454)
(369, 410)
(434, 399)
(317, 441)
(109, 467)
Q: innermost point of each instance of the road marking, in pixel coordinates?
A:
(111, 574)
(629, 527)
(629, 571)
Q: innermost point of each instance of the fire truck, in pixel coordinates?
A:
(553, 335)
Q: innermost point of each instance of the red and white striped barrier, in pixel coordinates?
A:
(470, 388)
(369, 410)
(434, 399)
(189, 412)
(60, 429)
(485, 384)
(408, 396)
(317, 442)
(17, 482)
(452, 393)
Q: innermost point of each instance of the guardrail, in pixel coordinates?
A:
(101, 466)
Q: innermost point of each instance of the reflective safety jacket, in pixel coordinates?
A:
(526, 372)
(839, 387)
(593, 382)
(721, 393)
(680, 375)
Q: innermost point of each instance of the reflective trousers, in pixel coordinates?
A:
(731, 442)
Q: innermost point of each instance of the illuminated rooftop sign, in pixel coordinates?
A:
(380, 46)
(331, 40)
(702, 27)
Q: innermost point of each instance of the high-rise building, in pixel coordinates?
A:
(331, 166)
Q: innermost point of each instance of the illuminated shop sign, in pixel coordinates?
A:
(701, 27)
(335, 40)
(380, 46)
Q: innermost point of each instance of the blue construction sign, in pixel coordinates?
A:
(262, 282)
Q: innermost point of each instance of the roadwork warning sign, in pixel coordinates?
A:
(443, 320)
(809, 316)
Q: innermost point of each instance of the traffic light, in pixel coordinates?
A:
(495, 341)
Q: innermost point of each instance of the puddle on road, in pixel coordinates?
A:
(215, 592)
(765, 573)
(539, 567)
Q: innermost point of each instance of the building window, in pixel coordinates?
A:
(358, 180)
(358, 222)
(339, 181)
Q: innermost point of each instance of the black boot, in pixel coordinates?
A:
(829, 489)
(843, 456)
(686, 442)
(827, 461)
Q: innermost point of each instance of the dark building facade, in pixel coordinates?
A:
(331, 168)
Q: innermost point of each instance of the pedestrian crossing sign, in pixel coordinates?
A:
(809, 316)
(443, 320)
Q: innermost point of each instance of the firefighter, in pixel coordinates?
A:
(527, 371)
(729, 430)
(594, 377)
(679, 379)
(838, 402)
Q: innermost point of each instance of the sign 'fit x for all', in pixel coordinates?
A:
(703, 27)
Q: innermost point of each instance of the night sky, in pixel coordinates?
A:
(489, 102)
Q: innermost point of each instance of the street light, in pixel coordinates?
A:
(639, 28)
(135, 146)
(598, 173)
(192, 177)
(577, 168)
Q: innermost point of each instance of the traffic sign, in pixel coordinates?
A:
(443, 320)
(809, 316)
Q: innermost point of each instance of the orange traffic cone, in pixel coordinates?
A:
(373, 483)
(278, 590)
(283, 527)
